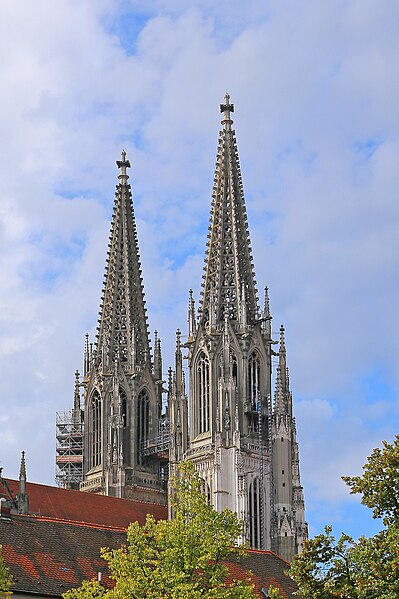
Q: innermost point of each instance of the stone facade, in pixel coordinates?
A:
(122, 386)
(242, 441)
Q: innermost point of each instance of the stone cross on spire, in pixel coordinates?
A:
(226, 108)
(123, 165)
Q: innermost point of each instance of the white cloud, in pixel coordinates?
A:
(316, 93)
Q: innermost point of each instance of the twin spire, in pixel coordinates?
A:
(229, 277)
(228, 286)
(123, 329)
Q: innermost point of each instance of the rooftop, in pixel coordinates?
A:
(55, 502)
(48, 556)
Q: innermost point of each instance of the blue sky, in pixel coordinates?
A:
(316, 94)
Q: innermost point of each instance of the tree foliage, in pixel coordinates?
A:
(379, 485)
(176, 559)
(5, 579)
(273, 592)
(368, 568)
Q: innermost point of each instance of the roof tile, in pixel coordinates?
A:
(84, 507)
(48, 556)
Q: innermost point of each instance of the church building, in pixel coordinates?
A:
(239, 434)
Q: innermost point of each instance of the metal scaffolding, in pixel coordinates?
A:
(69, 449)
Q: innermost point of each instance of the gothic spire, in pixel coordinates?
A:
(283, 394)
(229, 274)
(123, 328)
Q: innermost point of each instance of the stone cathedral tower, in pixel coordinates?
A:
(243, 444)
(240, 436)
(122, 387)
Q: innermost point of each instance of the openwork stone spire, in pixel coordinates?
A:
(123, 329)
(229, 273)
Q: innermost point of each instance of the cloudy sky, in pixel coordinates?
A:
(316, 93)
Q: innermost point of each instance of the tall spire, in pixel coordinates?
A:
(123, 326)
(228, 262)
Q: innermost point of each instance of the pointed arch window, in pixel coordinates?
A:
(206, 491)
(254, 514)
(203, 394)
(143, 422)
(96, 422)
(254, 379)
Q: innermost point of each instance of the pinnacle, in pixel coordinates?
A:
(178, 339)
(282, 339)
(22, 470)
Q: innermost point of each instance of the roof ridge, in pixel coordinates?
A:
(82, 493)
(268, 551)
(81, 523)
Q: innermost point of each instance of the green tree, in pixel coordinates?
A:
(379, 485)
(176, 559)
(5, 579)
(273, 592)
(364, 569)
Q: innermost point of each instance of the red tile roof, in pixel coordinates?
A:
(267, 568)
(55, 502)
(47, 556)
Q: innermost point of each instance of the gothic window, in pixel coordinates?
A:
(254, 379)
(143, 421)
(206, 491)
(95, 441)
(254, 514)
(203, 394)
(123, 406)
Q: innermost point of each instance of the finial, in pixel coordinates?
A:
(123, 165)
(22, 470)
(170, 377)
(191, 296)
(76, 413)
(22, 497)
(282, 340)
(267, 303)
(76, 402)
(191, 315)
(226, 108)
(178, 335)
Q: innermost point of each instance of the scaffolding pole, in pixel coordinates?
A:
(69, 449)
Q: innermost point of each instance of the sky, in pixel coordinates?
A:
(316, 92)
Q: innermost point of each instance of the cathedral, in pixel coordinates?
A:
(240, 435)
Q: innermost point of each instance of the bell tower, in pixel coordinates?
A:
(233, 422)
(122, 387)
